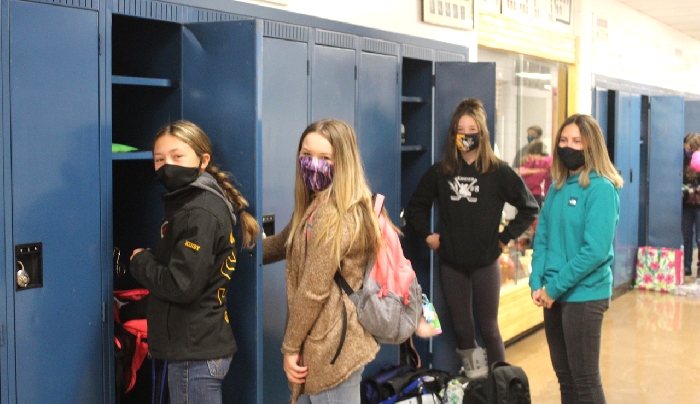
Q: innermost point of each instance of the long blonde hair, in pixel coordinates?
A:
(486, 159)
(348, 192)
(195, 137)
(595, 153)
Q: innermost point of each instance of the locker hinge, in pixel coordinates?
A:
(355, 72)
(2, 334)
(308, 67)
(99, 45)
(397, 77)
(432, 80)
(104, 312)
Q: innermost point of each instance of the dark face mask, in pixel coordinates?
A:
(571, 158)
(688, 154)
(176, 177)
(467, 141)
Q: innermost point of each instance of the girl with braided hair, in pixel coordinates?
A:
(189, 274)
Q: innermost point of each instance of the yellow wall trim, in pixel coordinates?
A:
(504, 33)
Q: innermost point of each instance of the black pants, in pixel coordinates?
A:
(574, 333)
(482, 287)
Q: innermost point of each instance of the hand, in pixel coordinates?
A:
(536, 298)
(136, 251)
(295, 373)
(425, 330)
(433, 241)
(547, 301)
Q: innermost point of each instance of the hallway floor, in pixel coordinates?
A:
(650, 353)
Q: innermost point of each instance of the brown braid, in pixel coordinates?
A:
(249, 226)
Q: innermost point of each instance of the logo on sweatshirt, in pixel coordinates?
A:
(572, 201)
(191, 245)
(464, 187)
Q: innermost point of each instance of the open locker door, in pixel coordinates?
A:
(455, 81)
(666, 124)
(220, 92)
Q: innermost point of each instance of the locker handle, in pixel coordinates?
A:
(22, 276)
(630, 175)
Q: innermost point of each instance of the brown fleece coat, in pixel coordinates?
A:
(314, 311)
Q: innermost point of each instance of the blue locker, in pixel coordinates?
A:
(600, 109)
(333, 77)
(692, 116)
(56, 341)
(379, 141)
(378, 123)
(626, 160)
(666, 125)
(285, 115)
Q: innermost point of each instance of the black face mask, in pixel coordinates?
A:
(176, 177)
(571, 158)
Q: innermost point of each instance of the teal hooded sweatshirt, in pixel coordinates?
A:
(573, 248)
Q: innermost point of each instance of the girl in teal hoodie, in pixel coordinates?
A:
(573, 251)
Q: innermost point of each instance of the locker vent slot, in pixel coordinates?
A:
(296, 33)
(416, 52)
(200, 15)
(335, 39)
(379, 46)
(154, 10)
(443, 56)
(89, 4)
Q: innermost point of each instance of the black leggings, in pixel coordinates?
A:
(484, 285)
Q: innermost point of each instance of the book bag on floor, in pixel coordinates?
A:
(401, 383)
(508, 384)
(389, 301)
(477, 391)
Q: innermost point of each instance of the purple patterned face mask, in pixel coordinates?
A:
(317, 174)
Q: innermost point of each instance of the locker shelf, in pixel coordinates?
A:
(412, 99)
(412, 148)
(143, 81)
(137, 155)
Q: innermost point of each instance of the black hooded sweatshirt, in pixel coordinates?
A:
(189, 275)
(470, 206)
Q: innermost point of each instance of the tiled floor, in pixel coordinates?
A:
(650, 354)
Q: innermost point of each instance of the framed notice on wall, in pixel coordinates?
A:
(562, 11)
(450, 13)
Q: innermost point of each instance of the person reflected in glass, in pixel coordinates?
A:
(535, 170)
(534, 132)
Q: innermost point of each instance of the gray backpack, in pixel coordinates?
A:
(389, 304)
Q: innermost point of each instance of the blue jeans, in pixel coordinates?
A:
(197, 381)
(574, 334)
(690, 220)
(347, 392)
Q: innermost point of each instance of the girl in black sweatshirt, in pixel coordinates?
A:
(471, 186)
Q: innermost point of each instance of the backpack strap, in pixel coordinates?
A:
(339, 280)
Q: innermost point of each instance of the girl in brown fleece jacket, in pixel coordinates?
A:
(332, 226)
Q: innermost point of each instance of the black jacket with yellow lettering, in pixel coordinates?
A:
(189, 274)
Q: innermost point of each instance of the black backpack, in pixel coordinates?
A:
(477, 391)
(507, 384)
